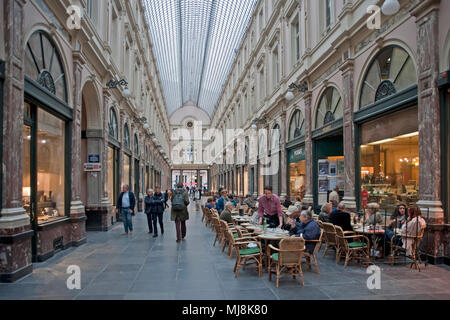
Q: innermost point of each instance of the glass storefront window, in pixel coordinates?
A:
(26, 164)
(331, 174)
(389, 159)
(245, 181)
(297, 176)
(390, 170)
(126, 169)
(112, 174)
(50, 152)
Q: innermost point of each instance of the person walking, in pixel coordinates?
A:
(125, 204)
(179, 212)
(157, 211)
(148, 209)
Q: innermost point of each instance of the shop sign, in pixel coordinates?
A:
(94, 158)
(296, 155)
(89, 167)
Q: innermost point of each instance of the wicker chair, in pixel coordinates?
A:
(313, 256)
(232, 238)
(330, 236)
(358, 249)
(225, 228)
(415, 252)
(244, 254)
(215, 223)
(287, 258)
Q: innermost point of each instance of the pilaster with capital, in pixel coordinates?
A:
(283, 163)
(308, 199)
(349, 134)
(427, 24)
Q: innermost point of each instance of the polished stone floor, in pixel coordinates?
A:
(142, 267)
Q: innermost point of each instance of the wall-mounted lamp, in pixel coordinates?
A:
(111, 84)
(256, 121)
(390, 7)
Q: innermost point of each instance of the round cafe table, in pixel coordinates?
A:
(271, 236)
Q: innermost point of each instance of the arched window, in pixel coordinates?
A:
(330, 107)
(126, 136)
(43, 64)
(136, 145)
(113, 128)
(297, 125)
(392, 70)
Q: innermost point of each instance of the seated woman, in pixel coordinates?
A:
(325, 212)
(372, 217)
(231, 199)
(413, 227)
(397, 220)
(210, 204)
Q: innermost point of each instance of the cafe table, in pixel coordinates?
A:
(271, 235)
(373, 233)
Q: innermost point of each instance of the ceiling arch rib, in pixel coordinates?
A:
(195, 44)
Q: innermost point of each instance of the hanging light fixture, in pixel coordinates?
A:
(390, 7)
(289, 95)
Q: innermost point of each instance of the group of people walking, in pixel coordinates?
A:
(155, 205)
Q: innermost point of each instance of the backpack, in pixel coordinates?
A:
(178, 201)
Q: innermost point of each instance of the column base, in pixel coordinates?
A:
(78, 221)
(308, 200)
(432, 211)
(350, 203)
(13, 218)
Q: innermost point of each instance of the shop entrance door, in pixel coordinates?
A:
(328, 168)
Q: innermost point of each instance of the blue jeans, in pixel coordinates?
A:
(127, 219)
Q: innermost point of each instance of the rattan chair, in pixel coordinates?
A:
(232, 238)
(288, 258)
(330, 236)
(244, 254)
(313, 256)
(224, 229)
(396, 250)
(358, 249)
(215, 223)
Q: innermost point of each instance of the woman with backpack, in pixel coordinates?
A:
(179, 212)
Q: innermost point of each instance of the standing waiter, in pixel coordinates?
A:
(270, 208)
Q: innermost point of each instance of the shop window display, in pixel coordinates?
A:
(390, 171)
(126, 170)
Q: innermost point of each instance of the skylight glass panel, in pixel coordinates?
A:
(195, 44)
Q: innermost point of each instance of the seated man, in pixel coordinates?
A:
(308, 229)
(291, 214)
(249, 201)
(286, 203)
(341, 218)
(210, 204)
(226, 213)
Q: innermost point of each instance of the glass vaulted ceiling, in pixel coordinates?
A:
(195, 43)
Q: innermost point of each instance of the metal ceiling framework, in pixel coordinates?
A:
(195, 44)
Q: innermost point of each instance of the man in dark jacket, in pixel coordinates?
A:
(148, 209)
(308, 229)
(341, 218)
(157, 210)
(125, 204)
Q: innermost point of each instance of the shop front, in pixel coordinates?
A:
(46, 183)
(296, 172)
(328, 148)
(296, 156)
(389, 159)
(387, 135)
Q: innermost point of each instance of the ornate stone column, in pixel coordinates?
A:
(308, 199)
(283, 160)
(15, 229)
(427, 24)
(349, 134)
(77, 209)
(106, 199)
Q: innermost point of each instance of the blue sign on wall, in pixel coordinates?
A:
(94, 158)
